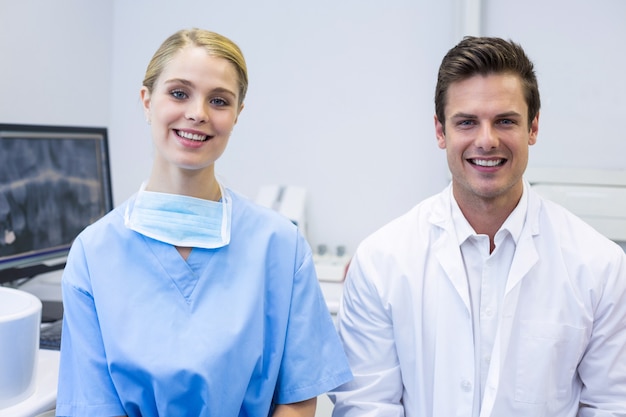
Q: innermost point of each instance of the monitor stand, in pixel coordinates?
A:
(51, 311)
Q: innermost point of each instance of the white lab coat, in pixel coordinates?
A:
(405, 321)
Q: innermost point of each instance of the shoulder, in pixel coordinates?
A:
(247, 213)
(262, 227)
(104, 235)
(410, 228)
(561, 222)
(245, 205)
(114, 219)
(556, 226)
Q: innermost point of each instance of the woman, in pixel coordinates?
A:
(188, 299)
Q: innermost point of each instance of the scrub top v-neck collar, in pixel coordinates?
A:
(185, 274)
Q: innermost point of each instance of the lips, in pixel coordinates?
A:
(191, 136)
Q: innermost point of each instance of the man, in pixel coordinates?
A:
(485, 300)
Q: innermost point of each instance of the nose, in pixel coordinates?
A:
(486, 138)
(197, 112)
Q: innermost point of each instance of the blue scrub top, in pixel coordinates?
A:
(229, 332)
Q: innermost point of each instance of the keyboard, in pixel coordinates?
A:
(50, 335)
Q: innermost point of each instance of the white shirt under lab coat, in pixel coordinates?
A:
(405, 321)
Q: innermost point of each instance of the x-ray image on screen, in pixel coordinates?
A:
(49, 194)
(51, 187)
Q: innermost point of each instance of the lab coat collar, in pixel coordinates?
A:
(513, 224)
(447, 249)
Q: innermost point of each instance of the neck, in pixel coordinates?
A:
(198, 184)
(486, 216)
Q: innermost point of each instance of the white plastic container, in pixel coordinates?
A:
(20, 321)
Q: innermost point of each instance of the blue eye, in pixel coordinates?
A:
(466, 123)
(219, 101)
(178, 94)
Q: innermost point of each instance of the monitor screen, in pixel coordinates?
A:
(54, 181)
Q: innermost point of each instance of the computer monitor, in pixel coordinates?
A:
(54, 181)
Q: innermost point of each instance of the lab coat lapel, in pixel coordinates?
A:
(525, 253)
(449, 256)
(447, 250)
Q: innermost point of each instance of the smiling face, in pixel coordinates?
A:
(192, 109)
(486, 137)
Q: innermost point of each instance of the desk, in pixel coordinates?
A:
(44, 397)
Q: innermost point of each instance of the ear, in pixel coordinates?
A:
(238, 113)
(440, 133)
(534, 130)
(144, 94)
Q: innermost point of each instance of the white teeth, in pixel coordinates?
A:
(191, 136)
(487, 162)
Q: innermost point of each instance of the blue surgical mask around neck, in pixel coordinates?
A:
(180, 220)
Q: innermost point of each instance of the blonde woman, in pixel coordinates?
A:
(188, 299)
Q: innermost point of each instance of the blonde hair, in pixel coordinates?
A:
(214, 44)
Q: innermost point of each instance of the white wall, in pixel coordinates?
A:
(55, 61)
(340, 94)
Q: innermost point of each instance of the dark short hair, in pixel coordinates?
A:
(484, 56)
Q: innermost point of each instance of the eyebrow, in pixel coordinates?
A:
(509, 114)
(462, 115)
(190, 84)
